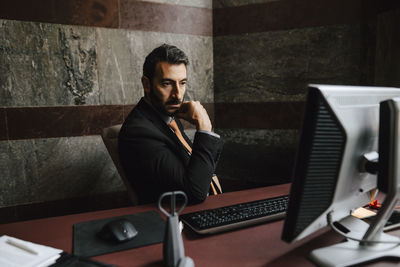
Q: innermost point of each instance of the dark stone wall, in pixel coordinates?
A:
(265, 54)
(387, 60)
(68, 71)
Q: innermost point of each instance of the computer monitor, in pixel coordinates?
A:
(339, 135)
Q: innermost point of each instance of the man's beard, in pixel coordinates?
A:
(157, 103)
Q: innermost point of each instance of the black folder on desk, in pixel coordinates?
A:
(150, 226)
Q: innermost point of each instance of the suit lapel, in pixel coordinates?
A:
(155, 118)
(149, 112)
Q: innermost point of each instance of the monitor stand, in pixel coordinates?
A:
(354, 252)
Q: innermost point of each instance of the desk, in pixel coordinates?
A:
(254, 246)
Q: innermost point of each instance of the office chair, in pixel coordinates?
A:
(110, 139)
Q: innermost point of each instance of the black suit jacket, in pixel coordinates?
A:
(155, 161)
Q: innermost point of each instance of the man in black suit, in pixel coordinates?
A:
(155, 160)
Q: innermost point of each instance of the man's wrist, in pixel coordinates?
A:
(204, 126)
(210, 133)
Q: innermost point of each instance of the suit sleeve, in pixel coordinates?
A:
(158, 163)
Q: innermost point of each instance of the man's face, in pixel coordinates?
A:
(168, 87)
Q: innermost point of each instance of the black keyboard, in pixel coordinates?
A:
(236, 216)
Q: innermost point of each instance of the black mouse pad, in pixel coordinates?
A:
(150, 226)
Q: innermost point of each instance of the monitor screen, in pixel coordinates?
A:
(340, 126)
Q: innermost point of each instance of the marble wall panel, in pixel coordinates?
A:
(387, 64)
(78, 47)
(178, 16)
(100, 13)
(259, 115)
(286, 15)
(237, 3)
(61, 121)
(73, 65)
(119, 74)
(47, 64)
(266, 137)
(192, 3)
(278, 65)
(257, 157)
(121, 56)
(255, 165)
(18, 172)
(156, 17)
(40, 170)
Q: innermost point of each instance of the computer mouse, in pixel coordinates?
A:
(119, 230)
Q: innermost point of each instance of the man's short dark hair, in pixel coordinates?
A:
(163, 53)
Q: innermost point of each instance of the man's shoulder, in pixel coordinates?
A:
(136, 115)
(140, 121)
(136, 121)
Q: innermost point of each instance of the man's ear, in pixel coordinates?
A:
(146, 85)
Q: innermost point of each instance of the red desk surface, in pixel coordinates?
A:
(253, 246)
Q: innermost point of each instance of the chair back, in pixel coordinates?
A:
(110, 139)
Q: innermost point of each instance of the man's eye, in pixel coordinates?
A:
(165, 84)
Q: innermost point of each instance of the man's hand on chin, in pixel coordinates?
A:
(195, 113)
